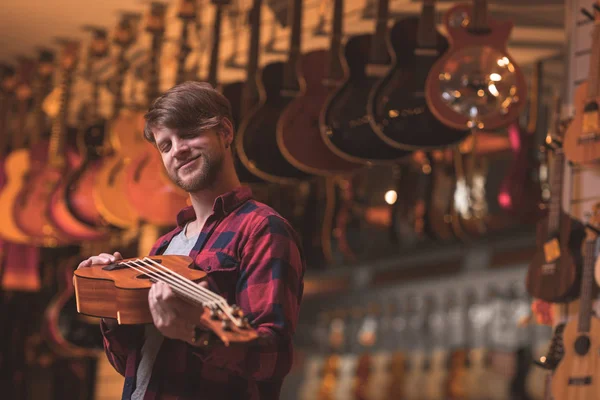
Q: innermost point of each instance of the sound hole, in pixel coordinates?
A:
(143, 276)
(591, 107)
(582, 345)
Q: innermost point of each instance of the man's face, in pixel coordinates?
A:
(192, 160)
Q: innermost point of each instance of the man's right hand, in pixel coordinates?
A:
(103, 258)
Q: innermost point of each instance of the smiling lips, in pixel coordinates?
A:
(187, 163)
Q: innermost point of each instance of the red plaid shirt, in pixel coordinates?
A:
(251, 256)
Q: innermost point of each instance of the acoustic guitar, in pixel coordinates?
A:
(123, 133)
(257, 136)
(475, 84)
(149, 190)
(17, 162)
(298, 133)
(554, 272)
(398, 111)
(50, 159)
(115, 291)
(582, 138)
(578, 371)
(344, 122)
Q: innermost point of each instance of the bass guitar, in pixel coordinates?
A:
(344, 122)
(475, 84)
(398, 112)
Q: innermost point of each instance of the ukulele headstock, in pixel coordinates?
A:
(228, 323)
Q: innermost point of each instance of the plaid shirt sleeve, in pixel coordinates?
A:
(269, 292)
(118, 342)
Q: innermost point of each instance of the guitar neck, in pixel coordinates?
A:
(556, 189)
(58, 134)
(378, 52)
(214, 52)
(336, 69)
(290, 77)
(427, 33)
(587, 279)
(479, 22)
(593, 89)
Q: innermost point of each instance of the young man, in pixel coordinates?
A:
(250, 254)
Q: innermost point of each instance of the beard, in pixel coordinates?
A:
(205, 176)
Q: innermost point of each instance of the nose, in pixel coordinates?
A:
(180, 147)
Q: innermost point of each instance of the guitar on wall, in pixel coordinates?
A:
(578, 372)
(344, 122)
(475, 84)
(582, 138)
(398, 111)
(554, 272)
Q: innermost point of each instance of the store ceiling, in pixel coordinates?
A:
(26, 24)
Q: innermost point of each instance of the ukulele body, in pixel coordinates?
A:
(398, 111)
(558, 280)
(469, 53)
(570, 374)
(298, 133)
(582, 138)
(257, 137)
(344, 122)
(17, 166)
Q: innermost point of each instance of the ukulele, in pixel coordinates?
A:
(582, 138)
(344, 123)
(122, 134)
(116, 291)
(149, 190)
(298, 133)
(257, 136)
(520, 192)
(397, 109)
(577, 372)
(553, 274)
(17, 162)
(476, 84)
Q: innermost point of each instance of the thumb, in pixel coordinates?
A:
(117, 255)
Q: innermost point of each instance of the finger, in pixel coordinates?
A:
(117, 255)
(85, 264)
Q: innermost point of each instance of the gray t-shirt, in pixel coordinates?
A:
(179, 245)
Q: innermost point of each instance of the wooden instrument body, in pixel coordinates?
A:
(16, 166)
(123, 293)
(558, 280)
(151, 192)
(479, 377)
(397, 109)
(575, 366)
(31, 208)
(582, 144)
(109, 191)
(437, 376)
(481, 47)
(344, 124)
(257, 137)
(520, 194)
(298, 133)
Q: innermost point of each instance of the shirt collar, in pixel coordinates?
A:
(223, 205)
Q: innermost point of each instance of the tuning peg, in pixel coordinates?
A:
(587, 14)
(226, 325)
(214, 315)
(236, 311)
(98, 31)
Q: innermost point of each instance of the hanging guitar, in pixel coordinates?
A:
(476, 84)
(257, 136)
(398, 112)
(582, 138)
(120, 291)
(554, 272)
(578, 371)
(298, 133)
(344, 122)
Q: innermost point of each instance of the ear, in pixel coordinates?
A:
(227, 131)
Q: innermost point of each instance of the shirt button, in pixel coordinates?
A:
(208, 268)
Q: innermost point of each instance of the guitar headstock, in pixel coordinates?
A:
(8, 78)
(155, 20)
(25, 72)
(125, 32)
(228, 323)
(45, 65)
(68, 54)
(221, 2)
(187, 10)
(98, 46)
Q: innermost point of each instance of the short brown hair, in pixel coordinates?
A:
(190, 106)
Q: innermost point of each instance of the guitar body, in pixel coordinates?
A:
(397, 108)
(109, 191)
(20, 271)
(31, 206)
(67, 332)
(574, 369)
(345, 127)
(16, 167)
(582, 144)
(557, 280)
(79, 188)
(151, 192)
(472, 52)
(298, 133)
(521, 195)
(257, 137)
